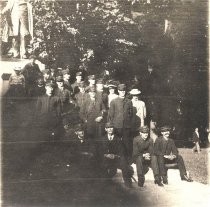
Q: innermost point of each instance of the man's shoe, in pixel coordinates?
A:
(165, 180)
(140, 184)
(186, 178)
(159, 183)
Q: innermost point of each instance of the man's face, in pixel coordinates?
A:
(60, 85)
(111, 91)
(82, 89)
(99, 86)
(46, 75)
(92, 94)
(109, 130)
(92, 81)
(80, 134)
(49, 90)
(33, 60)
(121, 93)
(144, 135)
(166, 134)
(66, 77)
(79, 78)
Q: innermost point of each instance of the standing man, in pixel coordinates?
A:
(31, 73)
(19, 26)
(66, 79)
(75, 85)
(143, 156)
(167, 152)
(120, 115)
(48, 113)
(196, 140)
(92, 113)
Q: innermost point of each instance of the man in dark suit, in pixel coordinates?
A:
(167, 152)
(92, 113)
(121, 114)
(48, 112)
(143, 156)
(111, 155)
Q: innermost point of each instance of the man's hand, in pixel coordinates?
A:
(170, 157)
(109, 156)
(98, 119)
(146, 156)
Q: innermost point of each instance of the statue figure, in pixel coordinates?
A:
(18, 26)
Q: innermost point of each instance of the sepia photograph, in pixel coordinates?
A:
(104, 103)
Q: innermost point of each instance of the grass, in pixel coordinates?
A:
(197, 164)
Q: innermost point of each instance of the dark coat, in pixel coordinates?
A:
(141, 146)
(121, 113)
(48, 111)
(110, 147)
(165, 147)
(89, 112)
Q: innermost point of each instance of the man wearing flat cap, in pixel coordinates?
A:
(144, 157)
(92, 113)
(92, 82)
(75, 85)
(31, 73)
(64, 95)
(121, 114)
(111, 155)
(82, 152)
(167, 153)
(48, 113)
(66, 79)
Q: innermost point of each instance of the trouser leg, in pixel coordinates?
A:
(181, 165)
(161, 165)
(154, 166)
(125, 170)
(198, 146)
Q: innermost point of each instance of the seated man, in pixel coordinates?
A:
(167, 152)
(110, 150)
(143, 156)
(82, 152)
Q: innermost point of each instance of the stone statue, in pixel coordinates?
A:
(18, 26)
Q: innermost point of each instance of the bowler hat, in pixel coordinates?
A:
(144, 129)
(121, 87)
(165, 129)
(109, 125)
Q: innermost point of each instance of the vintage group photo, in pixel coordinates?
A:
(104, 103)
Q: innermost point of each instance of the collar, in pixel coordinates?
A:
(110, 138)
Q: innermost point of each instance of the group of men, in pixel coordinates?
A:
(107, 123)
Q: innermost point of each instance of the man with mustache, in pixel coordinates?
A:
(167, 153)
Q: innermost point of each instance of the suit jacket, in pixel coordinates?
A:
(110, 146)
(89, 112)
(165, 147)
(141, 146)
(121, 113)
